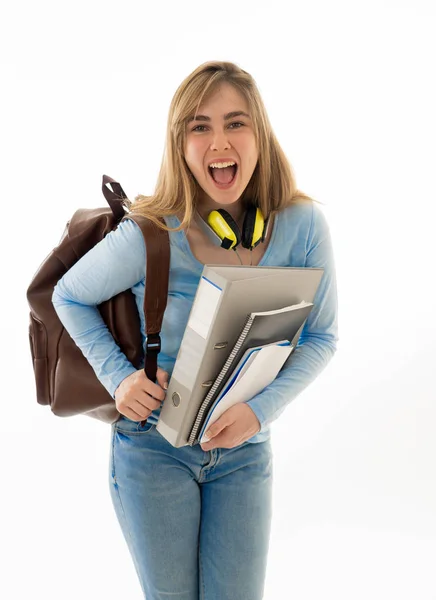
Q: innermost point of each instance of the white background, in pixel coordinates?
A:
(349, 88)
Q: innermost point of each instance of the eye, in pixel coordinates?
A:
(234, 123)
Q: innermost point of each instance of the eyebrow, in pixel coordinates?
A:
(230, 115)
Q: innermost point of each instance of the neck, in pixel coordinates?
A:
(235, 210)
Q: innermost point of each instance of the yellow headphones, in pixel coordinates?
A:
(222, 229)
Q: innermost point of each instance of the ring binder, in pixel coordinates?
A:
(225, 296)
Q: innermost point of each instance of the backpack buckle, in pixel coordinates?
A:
(152, 344)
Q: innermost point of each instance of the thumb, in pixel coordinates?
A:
(215, 428)
(162, 378)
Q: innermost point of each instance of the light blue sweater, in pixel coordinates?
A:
(300, 238)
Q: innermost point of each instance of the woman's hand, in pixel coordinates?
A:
(234, 427)
(137, 396)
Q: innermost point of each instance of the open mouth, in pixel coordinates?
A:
(223, 178)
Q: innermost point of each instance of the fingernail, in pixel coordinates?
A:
(206, 438)
(165, 385)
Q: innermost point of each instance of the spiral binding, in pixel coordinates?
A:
(205, 405)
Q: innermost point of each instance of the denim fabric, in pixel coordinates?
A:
(196, 523)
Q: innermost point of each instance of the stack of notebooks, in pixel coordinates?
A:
(243, 326)
(255, 371)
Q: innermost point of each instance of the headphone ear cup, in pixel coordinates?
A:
(248, 228)
(232, 224)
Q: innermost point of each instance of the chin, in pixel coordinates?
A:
(222, 197)
(227, 202)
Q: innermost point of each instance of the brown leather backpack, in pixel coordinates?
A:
(64, 378)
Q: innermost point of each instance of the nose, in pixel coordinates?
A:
(220, 140)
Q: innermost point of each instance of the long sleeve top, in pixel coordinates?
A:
(300, 238)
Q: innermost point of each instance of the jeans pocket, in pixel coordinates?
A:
(126, 425)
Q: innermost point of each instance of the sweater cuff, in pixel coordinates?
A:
(255, 405)
(118, 378)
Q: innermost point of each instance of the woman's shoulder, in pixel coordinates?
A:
(125, 240)
(306, 212)
(129, 231)
(301, 211)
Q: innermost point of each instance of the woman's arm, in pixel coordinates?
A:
(317, 342)
(113, 265)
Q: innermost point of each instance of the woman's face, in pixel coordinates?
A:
(212, 138)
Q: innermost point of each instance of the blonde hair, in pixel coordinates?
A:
(272, 186)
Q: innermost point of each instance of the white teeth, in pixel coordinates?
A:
(221, 165)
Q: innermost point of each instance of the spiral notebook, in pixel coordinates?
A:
(260, 328)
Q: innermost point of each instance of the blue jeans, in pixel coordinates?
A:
(197, 523)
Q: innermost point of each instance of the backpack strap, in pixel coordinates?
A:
(157, 245)
(116, 199)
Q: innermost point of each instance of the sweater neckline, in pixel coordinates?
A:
(173, 221)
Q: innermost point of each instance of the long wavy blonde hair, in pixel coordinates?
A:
(272, 186)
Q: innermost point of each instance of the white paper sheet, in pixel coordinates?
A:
(262, 371)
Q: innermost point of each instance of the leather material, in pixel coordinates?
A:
(64, 378)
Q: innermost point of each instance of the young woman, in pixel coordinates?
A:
(196, 519)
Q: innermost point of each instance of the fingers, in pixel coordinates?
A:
(162, 378)
(132, 414)
(154, 389)
(138, 396)
(142, 403)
